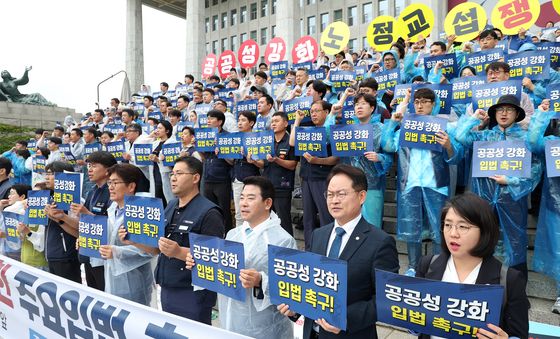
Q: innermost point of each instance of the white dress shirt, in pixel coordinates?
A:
(348, 227)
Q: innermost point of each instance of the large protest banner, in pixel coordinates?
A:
(36, 304)
(436, 308)
(511, 158)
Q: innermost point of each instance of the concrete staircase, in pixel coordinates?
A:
(541, 289)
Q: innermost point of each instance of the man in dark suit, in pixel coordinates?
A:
(362, 245)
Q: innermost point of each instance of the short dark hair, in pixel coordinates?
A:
(249, 115)
(100, 111)
(215, 78)
(164, 84)
(440, 44)
(39, 131)
(21, 189)
(221, 101)
(370, 99)
(263, 64)
(109, 134)
(214, 113)
(281, 114)
(129, 112)
(44, 152)
(185, 98)
(116, 100)
(209, 90)
(78, 131)
(478, 212)
(176, 113)
(56, 140)
(6, 164)
(188, 128)
(24, 153)
(194, 165)
(190, 76)
(59, 167)
(498, 65)
(261, 74)
(488, 32)
(425, 93)
(93, 131)
(236, 81)
(135, 127)
(319, 87)
(263, 183)
(149, 97)
(324, 104)
(129, 174)
(269, 99)
(168, 127)
(103, 158)
(59, 128)
(358, 177)
(22, 142)
(369, 83)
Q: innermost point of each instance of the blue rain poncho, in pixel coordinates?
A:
(257, 318)
(546, 258)
(129, 273)
(509, 201)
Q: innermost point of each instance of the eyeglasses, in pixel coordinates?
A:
(500, 110)
(422, 101)
(48, 174)
(172, 174)
(491, 73)
(341, 195)
(114, 182)
(461, 229)
(316, 110)
(388, 59)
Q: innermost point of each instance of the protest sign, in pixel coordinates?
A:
(443, 91)
(335, 37)
(69, 158)
(554, 50)
(205, 139)
(462, 89)
(301, 104)
(553, 93)
(360, 71)
(117, 149)
(534, 65)
(351, 140)
(382, 32)
(226, 62)
(341, 80)
(229, 145)
(92, 233)
(481, 59)
(347, 115)
(90, 148)
(142, 154)
(318, 74)
(113, 128)
(486, 95)
(465, 21)
(11, 221)
(259, 144)
(400, 92)
(510, 158)
(305, 49)
(64, 148)
(278, 69)
(170, 153)
(248, 53)
(275, 50)
(387, 80)
(246, 105)
(67, 189)
(419, 131)
(32, 145)
(39, 163)
(209, 65)
(144, 219)
(312, 140)
(449, 69)
(512, 15)
(552, 155)
(308, 65)
(416, 22)
(36, 203)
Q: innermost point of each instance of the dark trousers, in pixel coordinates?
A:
(66, 269)
(313, 196)
(186, 303)
(95, 276)
(283, 208)
(220, 194)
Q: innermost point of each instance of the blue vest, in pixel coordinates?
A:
(171, 272)
(242, 169)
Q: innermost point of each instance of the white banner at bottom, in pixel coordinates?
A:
(39, 305)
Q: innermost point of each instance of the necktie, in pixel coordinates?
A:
(337, 242)
(248, 231)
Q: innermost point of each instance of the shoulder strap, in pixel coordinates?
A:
(434, 257)
(503, 282)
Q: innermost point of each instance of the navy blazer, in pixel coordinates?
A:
(515, 315)
(368, 248)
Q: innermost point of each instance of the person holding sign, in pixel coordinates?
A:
(470, 232)
(164, 134)
(546, 258)
(423, 175)
(15, 203)
(33, 241)
(362, 245)
(507, 194)
(314, 170)
(256, 316)
(128, 270)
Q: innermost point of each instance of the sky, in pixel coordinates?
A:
(73, 45)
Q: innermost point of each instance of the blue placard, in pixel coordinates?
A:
(351, 140)
(170, 153)
(144, 219)
(202, 119)
(360, 72)
(278, 84)
(443, 91)
(182, 90)
(554, 50)
(486, 95)
(202, 109)
(155, 115)
(387, 80)
(39, 163)
(419, 131)
(311, 284)
(92, 233)
(312, 140)
(401, 92)
(142, 154)
(32, 145)
(534, 65)
(205, 139)
(449, 68)
(278, 69)
(90, 148)
(510, 158)
(347, 115)
(436, 308)
(224, 93)
(318, 74)
(114, 128)
(64, 148)
(341, 80)
(307, 65)
(230, 145)
(67, 189)
(293, 105)
(462, 88)
(259, 144)
(116, 148)
(246, 105)
(218, 263)
(553, 93)
(11, 221)
(479, 60)
(552, 154)
(69, 158)
(36, 202)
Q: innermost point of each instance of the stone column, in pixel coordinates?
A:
(287, 24)
(134, 44)
(196, 38)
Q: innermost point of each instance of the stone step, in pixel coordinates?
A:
(390, 195)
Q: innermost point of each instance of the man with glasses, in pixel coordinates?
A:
(189, 213)
(363, 246)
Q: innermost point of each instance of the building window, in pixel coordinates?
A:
(233, 17)
(253, 11)
(367, 13)
(233, 42)
(338, 15)
(311, 25)
(399, 6)
(324, 21)
(214, 22)
(253, 35)
(273, 9)
(264, 37)
(243, 37)
(352, 45)
(310, 2)
(214, 2)
(243, 14)
(206, 25)
(365, 43)
(215, 46)
(352, 14)
(272, 32)
(208, 51)
(224, 20)
(224, 44)
(383, 7)
(264, 8)
(206, 3)
(301, 31)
